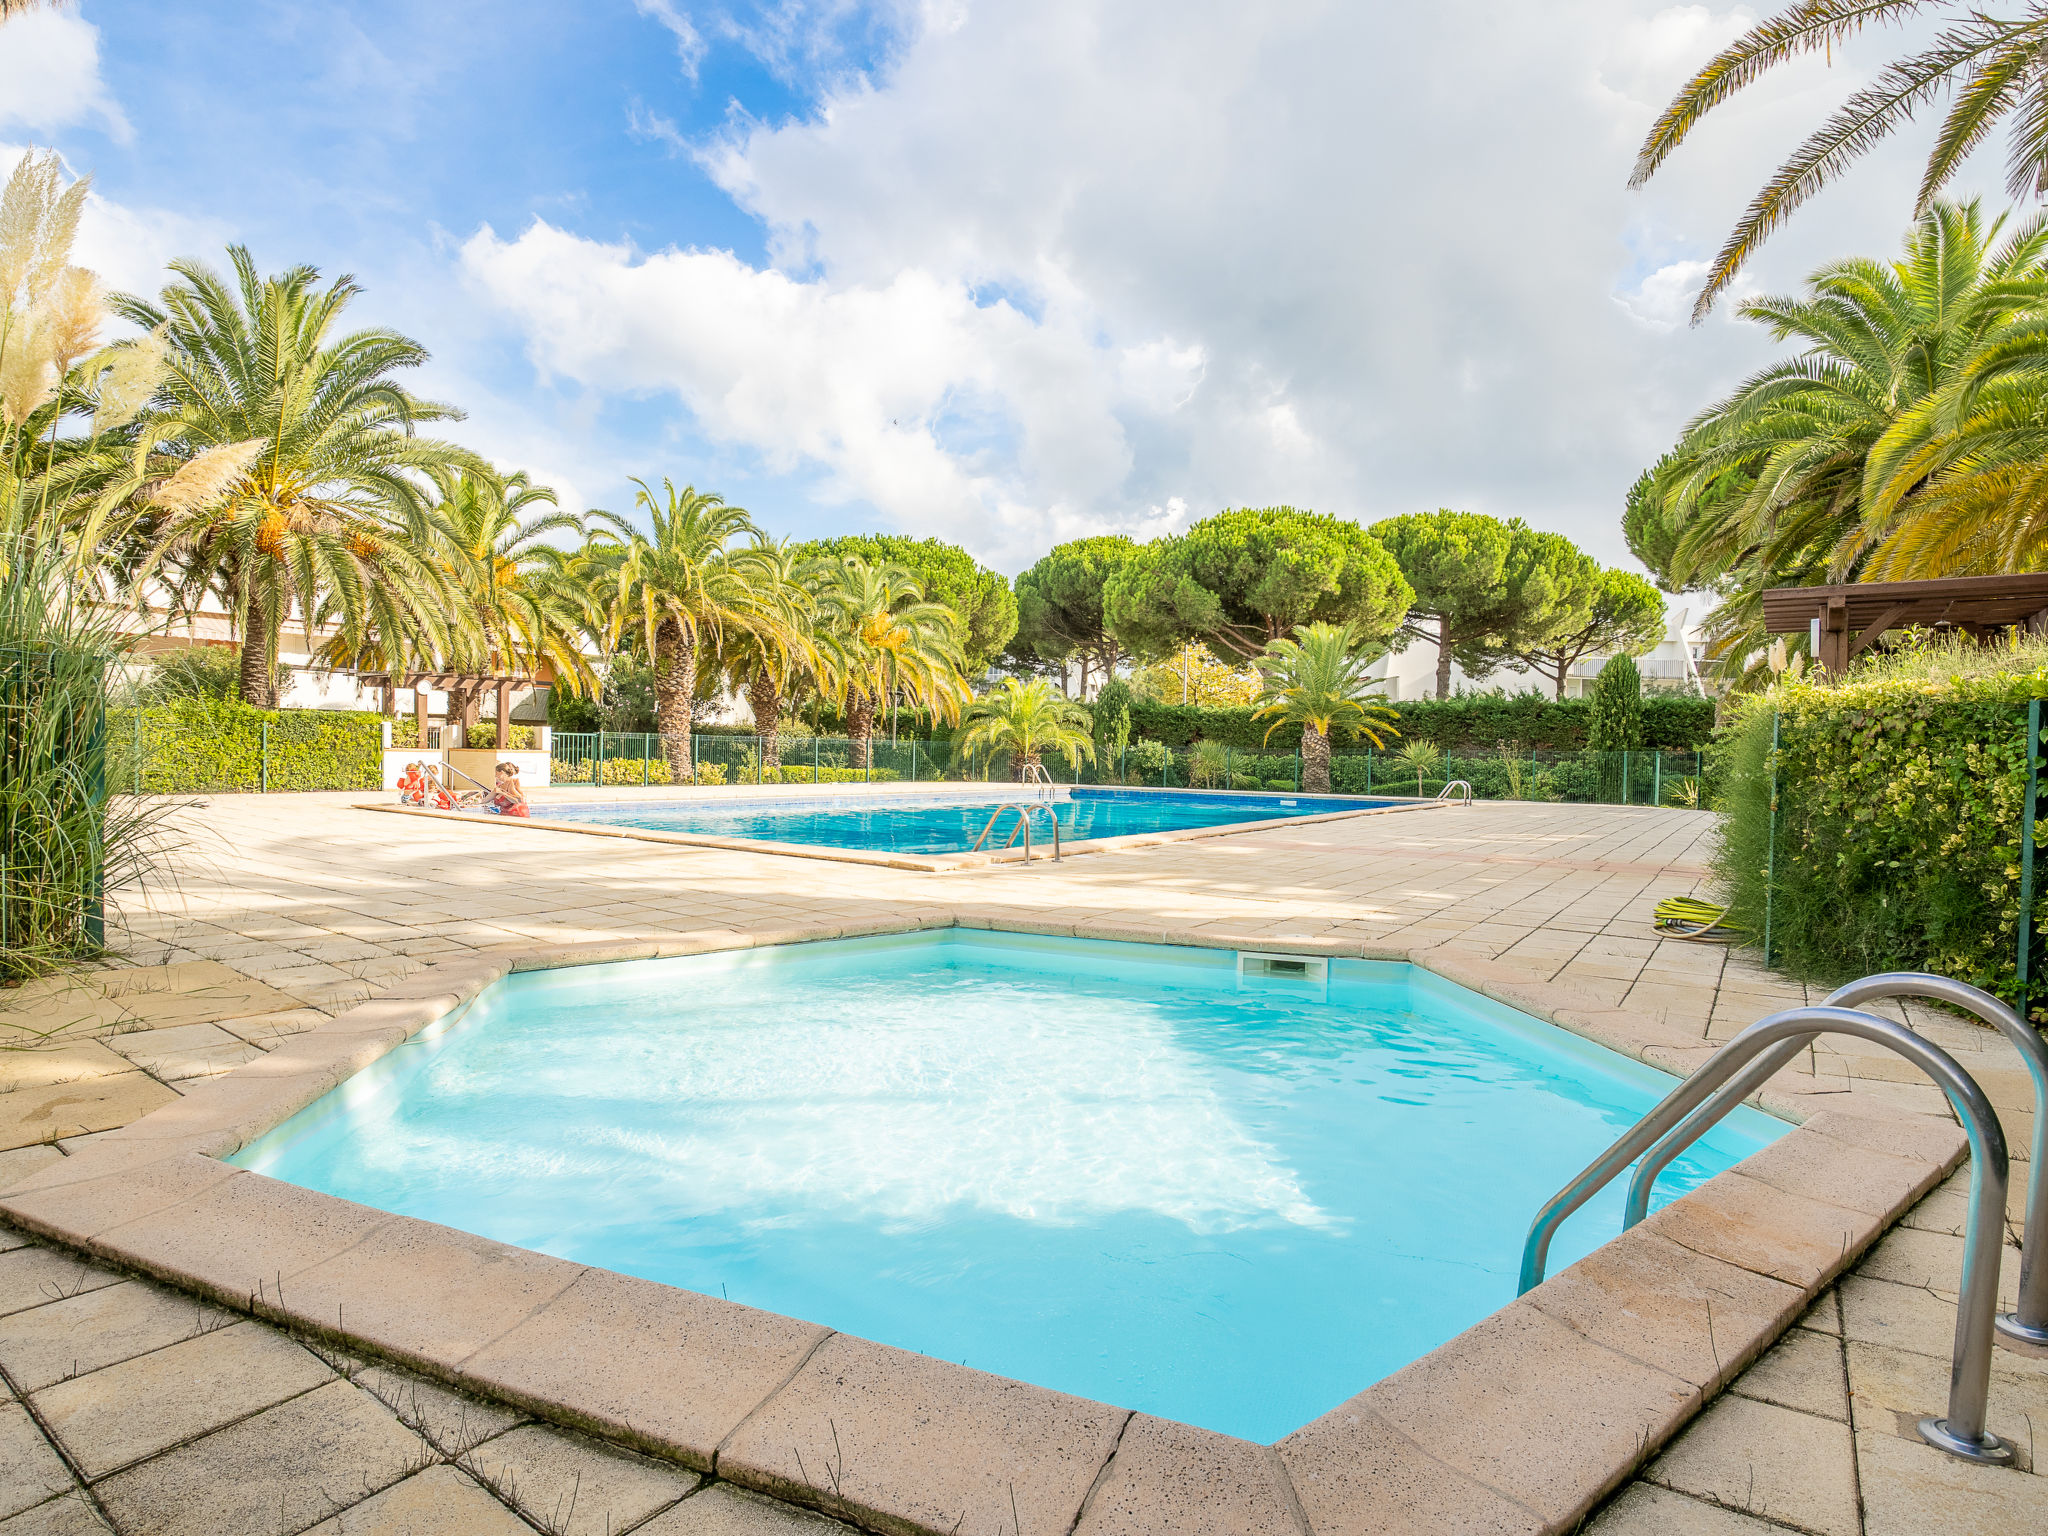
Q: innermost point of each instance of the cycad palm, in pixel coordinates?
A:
(1317, 680)
(1988, 67)
(686, 585)
(320, 458)
(880, 638)
(1026, 720)
(1795, 477)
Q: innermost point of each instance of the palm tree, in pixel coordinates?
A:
(292, 458)
(1813, 462)
(1026, 720)
(1317, 680)
(682, 589)
(768, 663)
(1987, 66)
(880, 639)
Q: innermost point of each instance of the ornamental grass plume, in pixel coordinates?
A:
(203, 480)
(128, 375)
(28, 367)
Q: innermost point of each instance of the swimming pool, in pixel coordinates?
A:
(1226, 1192)
(950, 821)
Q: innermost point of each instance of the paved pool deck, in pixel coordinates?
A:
(291, 909)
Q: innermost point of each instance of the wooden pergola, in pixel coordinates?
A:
(473, 684)
(1845, 620)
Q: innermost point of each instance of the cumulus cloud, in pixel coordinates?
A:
(689, 42)
(1060, 269)
(129, 245)
(50, 75)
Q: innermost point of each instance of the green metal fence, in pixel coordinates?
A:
(646, 759)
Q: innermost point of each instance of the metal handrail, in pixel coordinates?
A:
(1962, 1432)
(1464, 784)
(2024, 1330)
(1024, 808)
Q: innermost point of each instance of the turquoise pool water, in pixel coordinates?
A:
(1116, 1170)
(945, 823)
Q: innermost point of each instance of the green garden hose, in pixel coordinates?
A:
(1681, 917)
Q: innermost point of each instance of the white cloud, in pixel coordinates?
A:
(50, 74)
(1223, 254)
(689, 43)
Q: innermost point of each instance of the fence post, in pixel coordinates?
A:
(814, 759)
(597, 773)
(1657, 780)
(646, 763)
(693, 757)
(138, 749)
(1297, 768)
(2023, 962)
(265, 780)
(1771, 841)
(913, 759)
(96, 791)
(1624, 777)
(1369, 756)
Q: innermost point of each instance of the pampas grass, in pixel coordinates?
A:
(127, 375)
(205, 478)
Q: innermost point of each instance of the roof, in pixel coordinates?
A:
(1986, 600)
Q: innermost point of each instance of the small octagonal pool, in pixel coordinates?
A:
(1231, 1190)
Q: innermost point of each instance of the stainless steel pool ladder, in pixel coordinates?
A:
(1783, 1035)
(1464, 784)
(450, 770)
(2024, 1330)
(1034, 773)
(1024, 808)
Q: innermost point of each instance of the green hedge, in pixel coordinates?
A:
(1473, 721)
(190, 746)
(1898, 829)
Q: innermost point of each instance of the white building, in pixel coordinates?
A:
(1674, 666)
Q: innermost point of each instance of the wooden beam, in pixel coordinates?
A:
(1834, 637)
(1884, 621)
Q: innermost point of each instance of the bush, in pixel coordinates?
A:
(1468, 721)
(191, 745)
(1900, 795)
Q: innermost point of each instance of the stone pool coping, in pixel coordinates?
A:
(935, 863)
(1521, 1423)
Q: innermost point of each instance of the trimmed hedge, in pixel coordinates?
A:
(1481, 721)
(628, 770)
(1898, 830)
(188, 746)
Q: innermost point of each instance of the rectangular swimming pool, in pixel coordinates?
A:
(950, 821)
(1228, 1194)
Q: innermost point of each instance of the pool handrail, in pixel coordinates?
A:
(1024, 808)
(2024, 1330)
(1961, 1433)
(1464, 784)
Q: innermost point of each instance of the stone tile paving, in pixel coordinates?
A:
(291, 908)
(131, 1408)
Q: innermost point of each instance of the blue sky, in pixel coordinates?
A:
(1005, 274)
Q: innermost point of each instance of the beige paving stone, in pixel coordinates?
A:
(45, 1066)
(1167, 1476)
(440, 1501)
(185, 1051)
(138, 1407)
(1644, 1509)
(1357, 1476)
(37, 1276)
(702, 1364)
(23, 1161)
(1897, 1316)
(289, 1466)
(1770, 1231)
(903, 1438)
(1766, 1461)
(1825, 1314)
(1933, 1261)
(47, 1112)
(1803, 1370)
(68, 1515)
(98, 1328)
(576, 1486)
(454, 1421)
(1911, 1489)
(30, 1471)
(267, 1028)
(1893, 1389)
(723, 1510)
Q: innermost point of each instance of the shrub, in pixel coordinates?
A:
(1900, 795)
(189, 745)
(1478, 722)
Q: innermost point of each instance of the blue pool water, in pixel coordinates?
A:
(1117, 1170)
(943, 823)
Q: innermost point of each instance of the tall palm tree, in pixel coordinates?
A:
(519, 606)
(683, 589)
(768, 663)
(1987, 67)
(305, 456)
(1026, 720)
(1796, 476)
(1317, 680)
(882, 639)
